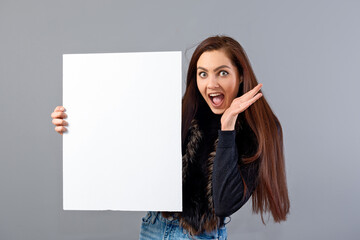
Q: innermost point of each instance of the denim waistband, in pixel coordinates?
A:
(172, 219)
(157, 215)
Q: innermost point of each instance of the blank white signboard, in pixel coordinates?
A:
(122, 150)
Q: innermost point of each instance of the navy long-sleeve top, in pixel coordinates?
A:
(228, 168)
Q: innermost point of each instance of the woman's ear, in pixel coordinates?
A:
(241, 79)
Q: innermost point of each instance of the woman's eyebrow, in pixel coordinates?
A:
(222, 66)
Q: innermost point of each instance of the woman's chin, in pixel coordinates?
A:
(217, 110)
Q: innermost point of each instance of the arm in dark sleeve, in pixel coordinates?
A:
(228, 187)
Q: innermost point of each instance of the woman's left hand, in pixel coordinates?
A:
(237, 106)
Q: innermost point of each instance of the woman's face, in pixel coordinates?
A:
(217, 80)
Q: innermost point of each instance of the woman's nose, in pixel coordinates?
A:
(213, 83)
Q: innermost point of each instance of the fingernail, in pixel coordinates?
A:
(61, 108)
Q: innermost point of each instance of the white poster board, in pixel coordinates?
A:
(122, 150)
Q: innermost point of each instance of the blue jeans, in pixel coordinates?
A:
(155, 227)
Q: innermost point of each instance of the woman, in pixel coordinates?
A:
(232, 147)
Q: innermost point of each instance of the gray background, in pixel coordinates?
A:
(306, 54)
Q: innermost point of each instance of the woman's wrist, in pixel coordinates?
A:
(227, 128)
(228, 122)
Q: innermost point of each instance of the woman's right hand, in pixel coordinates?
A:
(58, 120)
(238, 105)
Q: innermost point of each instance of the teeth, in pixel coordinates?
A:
(214, 94)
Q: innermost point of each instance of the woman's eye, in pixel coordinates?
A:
(202, 74)
(223, 73)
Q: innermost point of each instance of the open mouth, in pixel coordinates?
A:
(216, 99)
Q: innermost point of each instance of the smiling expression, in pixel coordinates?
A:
(216, 75)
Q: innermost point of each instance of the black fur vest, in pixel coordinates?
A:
(198, 213)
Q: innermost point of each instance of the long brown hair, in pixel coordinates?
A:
(271, 194)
